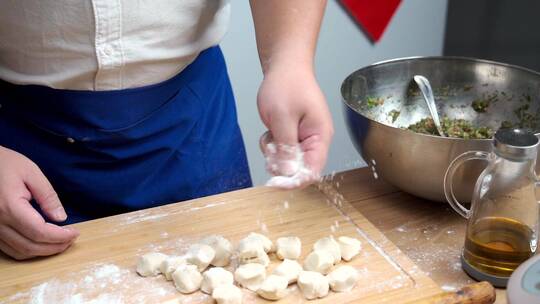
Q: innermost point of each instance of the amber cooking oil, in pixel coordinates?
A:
(498, 245)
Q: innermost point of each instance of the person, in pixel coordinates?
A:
(110, 106)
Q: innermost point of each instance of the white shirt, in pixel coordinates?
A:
(105, 44)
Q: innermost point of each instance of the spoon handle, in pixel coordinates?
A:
(426, 90)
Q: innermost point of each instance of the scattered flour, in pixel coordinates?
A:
(264, 228)
(401, 229)
(100, 284)
(449, 287)
(141, 217)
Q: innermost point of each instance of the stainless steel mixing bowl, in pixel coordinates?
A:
(416, 163)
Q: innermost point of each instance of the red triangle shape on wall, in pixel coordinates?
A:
(373, 15)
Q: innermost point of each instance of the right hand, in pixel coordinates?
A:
(23, 231)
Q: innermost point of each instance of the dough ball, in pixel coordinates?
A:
(251, 250)
(289, 247)
(227, 294)
(222, 247)
(330, 245)
(261, 258)
(289, 269)
(200, 255)
(250, 276)
(266, 242)
(149, 264)
(170, 264)
(319, 261)
(343, 278)
(274, 287)
(187, 278)
(350, 247)
(313, 285)
(214, 277)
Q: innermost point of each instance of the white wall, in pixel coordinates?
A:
(416, 29)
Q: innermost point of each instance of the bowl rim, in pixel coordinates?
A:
(399, 59)
(464, 58)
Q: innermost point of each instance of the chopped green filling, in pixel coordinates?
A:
(480, 105)
(459, 128)
(374, 102)
(506, 124)
(394, 114)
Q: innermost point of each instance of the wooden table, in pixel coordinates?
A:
(430, 234)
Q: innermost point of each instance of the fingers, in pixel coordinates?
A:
(12, 252)
(26, 220)
(315, 153)
(23, 231)
(21, 247)
(43, 192)
(280, 144)
(281, 159)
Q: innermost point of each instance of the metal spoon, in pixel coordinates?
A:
(426, 90)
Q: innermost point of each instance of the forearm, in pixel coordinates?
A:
(287, 31)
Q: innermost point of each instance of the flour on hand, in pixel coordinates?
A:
(292, 172)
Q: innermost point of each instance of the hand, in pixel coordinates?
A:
(23, 231)
(293, 108)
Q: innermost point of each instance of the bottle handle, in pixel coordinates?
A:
(449, 178)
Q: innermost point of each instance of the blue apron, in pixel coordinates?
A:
(110, 152)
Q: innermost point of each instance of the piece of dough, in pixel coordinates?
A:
(149, 264)
(350, 247)
(289, 269)
(169, 265)
(227, 294)
(200, 255)
(289, 247)
(266, 242)
(313, 285)
(261, 258)
(214, 277)
(251, 250)
(319, 261)
(343, 278)
(222, 247)
(250, 276)
(330, 245)
(274, 287)
(187, 278)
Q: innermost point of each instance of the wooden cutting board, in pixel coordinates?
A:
(100, 266)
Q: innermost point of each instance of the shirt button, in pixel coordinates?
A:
(107, 50)
(70, 140)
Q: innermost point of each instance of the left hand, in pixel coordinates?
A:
(293, 108)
